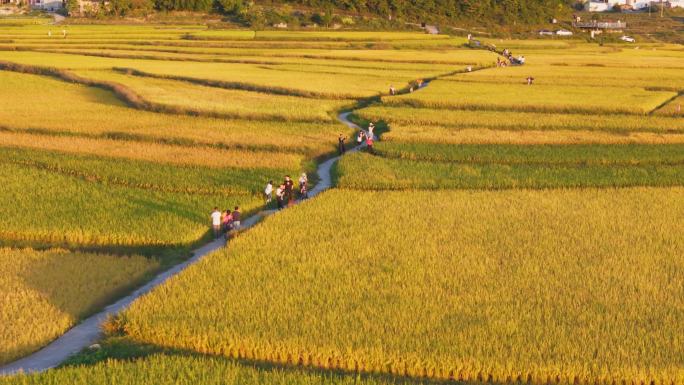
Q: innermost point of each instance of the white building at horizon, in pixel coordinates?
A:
(608, 5)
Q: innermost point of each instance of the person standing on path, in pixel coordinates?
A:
(289, 190)
(340, 144)
(268, 192)
(371, 127)
(303, 186)
(369, 144)
(216, 222)
(280, 196)
(236, 218)
(360, 137)
(227, 221)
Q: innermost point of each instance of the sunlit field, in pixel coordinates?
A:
(548, 266)
(498, 231)
(44, 293)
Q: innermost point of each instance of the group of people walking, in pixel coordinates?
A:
(285, 192)
(520, 60)
(368, 136)
(225, 222)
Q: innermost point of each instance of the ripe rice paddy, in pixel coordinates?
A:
(364, 172)
(185, 370)
(568, 273)
(603, 264)
(403, 119)
(44, 293)
(537, 98)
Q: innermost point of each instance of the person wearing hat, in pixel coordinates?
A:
(304, 186)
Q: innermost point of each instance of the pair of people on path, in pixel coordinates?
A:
(369, 137)
(225, 222)
(364, 135)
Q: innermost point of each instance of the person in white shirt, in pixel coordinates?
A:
(268, 191)
(216, 222)
(280, 196)
(304, 186)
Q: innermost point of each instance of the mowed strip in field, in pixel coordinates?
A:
(44, 293)
(549, 266)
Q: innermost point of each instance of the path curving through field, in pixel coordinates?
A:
(88, 331)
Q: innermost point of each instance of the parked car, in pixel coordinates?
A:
(545, 32)
(563, 32)
(628, 39)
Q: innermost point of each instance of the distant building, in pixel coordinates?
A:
(609, 5)
(48, 5)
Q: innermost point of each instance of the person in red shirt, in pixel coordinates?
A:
(289, 190)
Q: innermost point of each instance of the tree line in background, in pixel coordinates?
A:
(276, 11)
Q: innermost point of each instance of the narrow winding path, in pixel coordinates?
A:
(88, 331)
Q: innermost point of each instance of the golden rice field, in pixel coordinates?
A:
(95, 113)
(186, 370)
(535, 237)
(568, 286)
(536, 98)
(237, 75)
(44, 293)
(406, 119)
(365, 172)
(182, 97)
(573, 76)
(673, 108)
